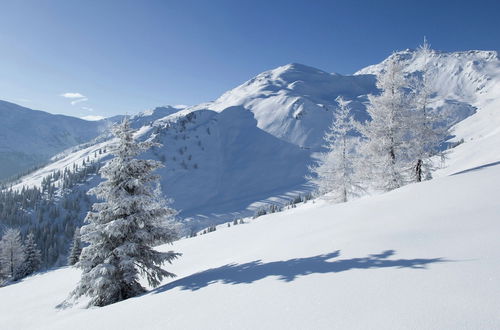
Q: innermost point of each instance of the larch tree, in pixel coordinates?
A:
(387, 133)
(76, 248)
(11, 253)
(123, 228)
(335, 171)
(428, 132)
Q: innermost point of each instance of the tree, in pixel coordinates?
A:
(428, 132)
(387, 133)
(76, 248)
(122, 229)
(335, 171)
(32, 257)
(11, 253)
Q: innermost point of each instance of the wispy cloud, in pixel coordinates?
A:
(92, 118)
(83, 99)
(75, 97)
(88, 109)
(72, 95)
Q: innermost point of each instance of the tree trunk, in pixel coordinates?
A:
(418, 170)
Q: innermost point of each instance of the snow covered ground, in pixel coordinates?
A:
(426, 256)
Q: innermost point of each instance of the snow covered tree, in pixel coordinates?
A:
(387, 133)
(335, 171)
(76, 248)
(123, 228)
(428, 132)
(32, 257)
(11, 253)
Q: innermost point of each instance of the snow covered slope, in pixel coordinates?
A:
(425, 256)
(29, 137)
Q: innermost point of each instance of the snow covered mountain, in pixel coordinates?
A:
(296, 103)
(293, 104)
(430, 250)
(253, 144)
(29, 138)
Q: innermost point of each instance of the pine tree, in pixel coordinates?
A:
(123, 228)
(335, 171)
(76, 248)
(32, 257)
(11, 253)
(427, 130)
(387, 133)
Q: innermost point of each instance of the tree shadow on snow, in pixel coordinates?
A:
(289, 270)
(477, 168)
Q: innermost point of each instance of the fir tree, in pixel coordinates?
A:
(11, 253)
(32, 257)
(123, 228)
(76, 248)
(335, 171)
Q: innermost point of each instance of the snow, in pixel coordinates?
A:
(295, 102)
(92, 118)
(425, 256)
(35, 178)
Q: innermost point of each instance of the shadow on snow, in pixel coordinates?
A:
(289, 270)
(477, 168)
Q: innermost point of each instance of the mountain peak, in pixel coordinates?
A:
(293, 71)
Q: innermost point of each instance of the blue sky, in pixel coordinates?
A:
(126, 56)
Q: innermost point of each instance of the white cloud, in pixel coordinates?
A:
(88, 109)
(92, 118)
(72, 95)
(83, 99)
(75, 97)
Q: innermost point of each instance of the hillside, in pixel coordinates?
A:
(421, 257)
(29, 137)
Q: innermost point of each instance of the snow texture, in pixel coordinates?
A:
(380, 262)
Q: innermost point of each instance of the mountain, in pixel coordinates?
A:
(251, 147)
(29, 137)
(149, 116)
(295, 102)
(380, 262)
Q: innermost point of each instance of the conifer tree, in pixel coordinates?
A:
(428, 132)
(335, 171)
(387, 133)
(122, 229)
(76, 248)
(11, 253)
(32, 257)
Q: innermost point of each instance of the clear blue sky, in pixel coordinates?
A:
(128, 56)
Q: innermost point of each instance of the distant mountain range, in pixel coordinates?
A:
(30, 138)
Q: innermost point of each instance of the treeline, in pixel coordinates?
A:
(51, 212)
